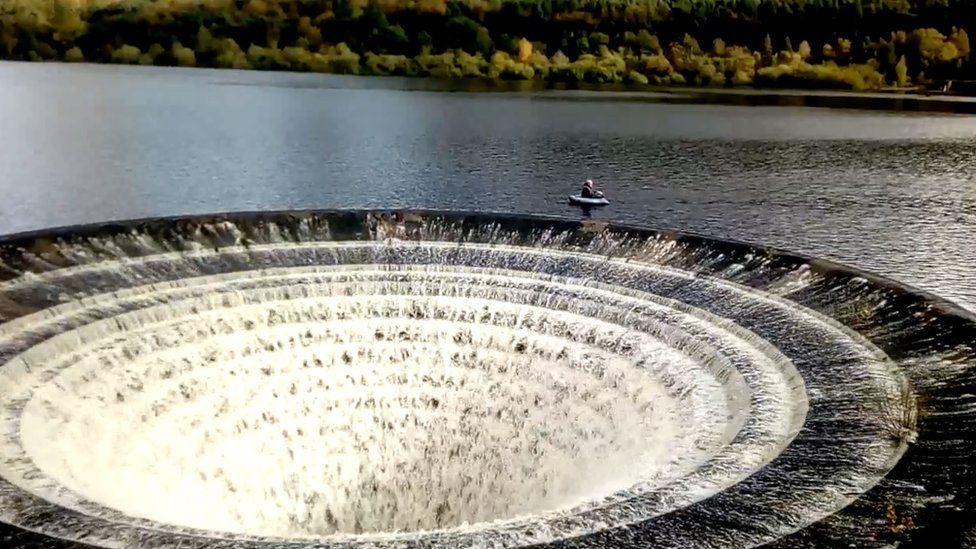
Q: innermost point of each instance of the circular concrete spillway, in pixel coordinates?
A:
(348, 379)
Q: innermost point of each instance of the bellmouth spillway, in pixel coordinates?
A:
(411, 379)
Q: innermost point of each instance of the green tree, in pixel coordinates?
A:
(74, 55)
(465, 34)
(901, 72)
(185, 57)
(126, 54)
(648, 42)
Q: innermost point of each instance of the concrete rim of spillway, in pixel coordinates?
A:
(913, 335)
(22, 239)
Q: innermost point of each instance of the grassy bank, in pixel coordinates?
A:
(844, 44)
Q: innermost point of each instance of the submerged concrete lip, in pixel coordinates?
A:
(925, 336)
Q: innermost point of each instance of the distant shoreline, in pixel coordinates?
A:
(878, 100)
(858, 45)
(891, 100)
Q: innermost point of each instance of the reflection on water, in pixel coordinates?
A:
(888, 192)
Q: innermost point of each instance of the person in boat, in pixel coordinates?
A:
(588, 190)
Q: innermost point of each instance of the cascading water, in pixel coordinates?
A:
(449, 380)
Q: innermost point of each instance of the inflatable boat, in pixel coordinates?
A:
(594, 201)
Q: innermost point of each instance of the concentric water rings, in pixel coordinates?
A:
(426, 383)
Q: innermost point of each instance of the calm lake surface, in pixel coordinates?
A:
(893, 193)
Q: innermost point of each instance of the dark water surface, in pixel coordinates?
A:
(893, 193)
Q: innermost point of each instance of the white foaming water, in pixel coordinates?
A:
(369, 398)
(355, 426)
(361, 413)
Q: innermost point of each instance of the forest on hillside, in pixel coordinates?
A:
(852, 44)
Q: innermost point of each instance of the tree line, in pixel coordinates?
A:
(858, 44)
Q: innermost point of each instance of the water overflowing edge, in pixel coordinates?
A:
(116, 226)
(819, 266)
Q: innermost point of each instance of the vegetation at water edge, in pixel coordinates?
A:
(847, 44)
